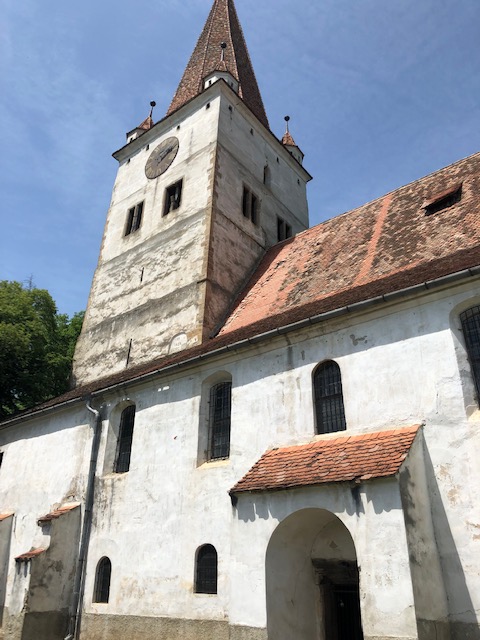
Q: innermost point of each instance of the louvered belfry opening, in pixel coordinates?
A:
(125, 438)
(220, 420)
(329, 408)
(206, 573)
(470, 320)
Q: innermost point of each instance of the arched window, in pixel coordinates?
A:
(125, 437)
(206, 570)
(102, 581)
(329, 410)
(219, 421)
(470, 320)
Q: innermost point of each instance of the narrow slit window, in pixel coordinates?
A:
(284, 230)
(102, 581)
(250, 205)
(220, 421)
(206, 570)
(134, 219)
(125, 439)
(329, 408)
(470, 320)
(173, 197)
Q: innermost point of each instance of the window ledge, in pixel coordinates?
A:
(213, 464)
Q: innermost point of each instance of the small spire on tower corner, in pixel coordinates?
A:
(287, 139)
(290, 144)
(146, 125)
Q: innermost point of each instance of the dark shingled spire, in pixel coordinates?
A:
(222, 26)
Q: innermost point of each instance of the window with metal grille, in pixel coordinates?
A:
(329, 409)
(173, 197)
(470, 320)
(206, 571)
(102, 581)
(219, 422)
(134, 219)
(125, 437)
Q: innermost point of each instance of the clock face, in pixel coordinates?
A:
(161, 158)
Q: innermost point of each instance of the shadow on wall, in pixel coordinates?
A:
(6, 522)
(342, 497)
(52, 579)
(463, 620)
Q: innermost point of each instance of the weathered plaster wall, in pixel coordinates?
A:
(141, 295)
(5, 540)
(176, 275)
(45, 464)
(151, 520)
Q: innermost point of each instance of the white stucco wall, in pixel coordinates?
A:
(400, 365)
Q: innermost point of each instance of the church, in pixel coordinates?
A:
(273, 431)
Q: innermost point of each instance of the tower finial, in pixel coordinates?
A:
(287, 120)
(152, 105)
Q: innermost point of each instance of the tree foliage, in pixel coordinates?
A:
(36, 347)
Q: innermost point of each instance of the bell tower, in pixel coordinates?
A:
(198, 198)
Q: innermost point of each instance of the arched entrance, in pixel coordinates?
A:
(312, 579)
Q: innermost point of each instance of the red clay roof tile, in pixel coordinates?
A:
(33, 553)
(222, 26)
(373, 455)
(385, 241)
(383, 247)
(288, 139)
(53, 515)
(4, 516)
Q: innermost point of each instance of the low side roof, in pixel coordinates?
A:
(346, 458)
(390, 242)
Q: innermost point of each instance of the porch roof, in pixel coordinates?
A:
(345, 458)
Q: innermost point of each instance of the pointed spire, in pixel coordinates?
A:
(222, 28)
(148, 122)
(290, 144)
(287, 139)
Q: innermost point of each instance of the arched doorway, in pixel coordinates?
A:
(312, 579)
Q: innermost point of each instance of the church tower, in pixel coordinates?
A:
(198, 198)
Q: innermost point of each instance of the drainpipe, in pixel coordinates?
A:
(78, 589)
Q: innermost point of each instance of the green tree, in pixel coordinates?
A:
(36, 347)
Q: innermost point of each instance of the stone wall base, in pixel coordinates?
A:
(107, 627)
(465, 631)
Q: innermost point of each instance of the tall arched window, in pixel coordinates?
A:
(125, 438)
(219, 421)
(470, 320)
(206, 572)
(329, 410)
(102, 581)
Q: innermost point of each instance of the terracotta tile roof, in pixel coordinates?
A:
(288, 139)
(33, 553)
(342, 459)
(386, 244)
(378, 249)
(4, 516)
(146, 124)
(222, 26)
(53, 515)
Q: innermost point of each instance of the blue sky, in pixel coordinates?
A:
(380, 93)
